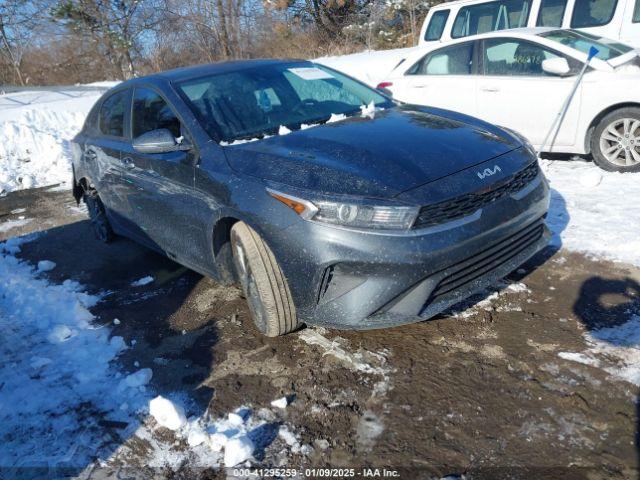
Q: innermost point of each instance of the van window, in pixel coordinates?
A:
(436, 25)
(112, 114)
(490, 16)
(454, 60)
(636, 12)
(592, 13)
(551, 13)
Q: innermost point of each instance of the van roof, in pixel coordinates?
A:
(456, 3)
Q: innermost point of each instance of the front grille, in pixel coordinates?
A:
(467, 204)
(466, 271)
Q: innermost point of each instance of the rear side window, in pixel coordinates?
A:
(112, 114)
(454, 60)
(436, 25)
(151, 112)
(551, 13)
(636, 12)
(592, 13)
(490, 16)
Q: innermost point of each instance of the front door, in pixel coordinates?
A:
(515, 92)
(161, 185)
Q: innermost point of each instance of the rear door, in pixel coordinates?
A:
(102, 155)
(444, 78)
(516, 93)
(161, 193)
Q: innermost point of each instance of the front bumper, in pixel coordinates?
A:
(364, 280)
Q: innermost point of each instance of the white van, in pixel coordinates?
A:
(616, 19)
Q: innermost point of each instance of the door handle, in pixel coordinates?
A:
(490, 88)
(89, 154)
(128, 162)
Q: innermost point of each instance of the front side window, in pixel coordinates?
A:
(551, 13)
(436, 25)
(490, 16)
(151, 112)
(636, 12)
(514, 58)
(112, 114)
(454, 60)
(582, 41)
(254, 102)
(592, 13)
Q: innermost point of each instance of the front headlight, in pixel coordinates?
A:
(351, 215)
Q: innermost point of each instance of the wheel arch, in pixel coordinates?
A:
(222, 254)
(592, 126)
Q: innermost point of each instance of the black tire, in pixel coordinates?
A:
(263, 282)
(603, 138)
(99, 221)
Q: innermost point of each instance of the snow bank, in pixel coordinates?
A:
(35, 130)
(57, 381)
(370, 67)
(591, 210)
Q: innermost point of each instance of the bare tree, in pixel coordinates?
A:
(16, 28)
(115, 26)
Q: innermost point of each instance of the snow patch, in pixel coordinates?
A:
(46, 265)
(280, 403)
(616, 350)
(592, 215)
(167, 413)
(238, 450)
(142, 282)
(11, 224)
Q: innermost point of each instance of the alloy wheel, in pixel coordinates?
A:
(620, 142)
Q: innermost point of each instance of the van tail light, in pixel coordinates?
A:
(384, 85)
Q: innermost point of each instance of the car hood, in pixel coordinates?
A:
(399, 149)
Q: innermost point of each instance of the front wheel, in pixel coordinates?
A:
(615, 144)
(263, 282)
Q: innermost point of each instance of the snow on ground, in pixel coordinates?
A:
(370, 67)
(614, 349)
(60, 388)
(35, 130)
(592, 211)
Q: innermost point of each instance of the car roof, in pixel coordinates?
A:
(185, 73)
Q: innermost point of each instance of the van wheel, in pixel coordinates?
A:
(263, 283)
(615, 144)
(97, 214)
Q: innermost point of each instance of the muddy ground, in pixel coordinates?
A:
(479, 391)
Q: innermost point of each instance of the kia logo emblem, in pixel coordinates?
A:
(487, 172)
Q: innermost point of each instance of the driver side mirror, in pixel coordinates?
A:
(158, 141)
(556, 66)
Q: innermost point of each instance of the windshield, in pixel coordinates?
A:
(256, 101)
(607, 49)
